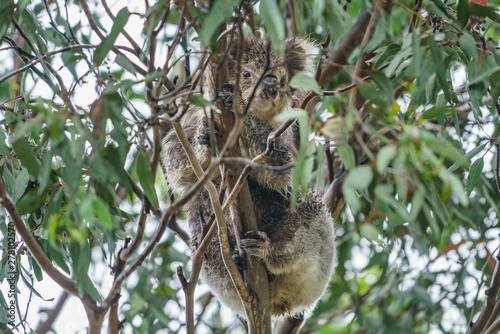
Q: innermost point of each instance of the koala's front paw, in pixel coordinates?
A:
(226, 95)
(256, 243)
(238, 261)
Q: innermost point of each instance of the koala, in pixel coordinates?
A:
(297, 246)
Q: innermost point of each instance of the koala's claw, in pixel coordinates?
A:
(275, 149)
(238, 261)
(226, 95)
(255, 243)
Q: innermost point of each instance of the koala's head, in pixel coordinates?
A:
(272, 94)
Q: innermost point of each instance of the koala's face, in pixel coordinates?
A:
(264, 76)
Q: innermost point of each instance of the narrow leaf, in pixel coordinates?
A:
(25, 153)
(384, 157)
(440, 68)
(199, 101)
(347, 155)
(273, 23)
(220, 11)
(468, 156)
(107, 43)
(475, 172)
(463, 12)
(102, 212)
(384, 84)
(370, 232)
(146, 178)
(301, 80)
(358, 179)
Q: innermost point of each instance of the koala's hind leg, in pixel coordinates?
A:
(305, 237)
(289, 324)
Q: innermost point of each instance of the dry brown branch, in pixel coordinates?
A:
(338, 57)
(96, 29)
(497, 168)
(137, 49)
(413, 17)
(46, 55)
(290, 18)
(45, 326)
(479, 326)
(362, 67)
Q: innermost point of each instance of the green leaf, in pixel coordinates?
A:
(6, 10)
(431, 220)
(384, 157)
(438, 112)
(347, 155)
(146, 178)
(102, 212)
(415, 42)
(301, 116)
(468, 45)
(457, 188)
(475, 172)
(440, 68)
(358, 179)
(463, 12)
(483, 11)
(370, 232)
(4, 149)
(150, 77)
(20, 185)
(125, 63)
(31, 201)
(220, 11)
(446, 149)
(301, 80)
(199, 101)
(89, 287)
(485, 75)
(272, 20)
(369, 91)
(384, 84)
(384, 192)
(468, 156)
(36, 268)
(25, 153)
(439, 8)
(417, 202)
(108, 42)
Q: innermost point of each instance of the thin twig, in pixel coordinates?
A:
(36, 60)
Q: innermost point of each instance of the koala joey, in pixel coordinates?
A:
(297, 246)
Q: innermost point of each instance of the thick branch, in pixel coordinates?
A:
(491, 299)
(338, 58)
(46, 326)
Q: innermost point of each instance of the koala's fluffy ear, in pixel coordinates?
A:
(298, 55)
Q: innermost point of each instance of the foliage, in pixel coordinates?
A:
(418, 157)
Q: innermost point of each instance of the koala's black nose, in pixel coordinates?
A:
(270, 85)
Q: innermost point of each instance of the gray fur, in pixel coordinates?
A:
(297, 246)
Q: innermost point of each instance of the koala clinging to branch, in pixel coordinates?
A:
(296, 246)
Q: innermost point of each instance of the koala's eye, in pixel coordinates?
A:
(282, 82)
(246, 74)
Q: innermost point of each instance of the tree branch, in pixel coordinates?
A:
(491, 299)
(36, 251)
(45, 326)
